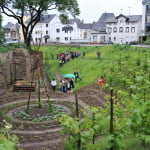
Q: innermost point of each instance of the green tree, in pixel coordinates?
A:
(34, 8)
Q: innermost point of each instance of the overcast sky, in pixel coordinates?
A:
(91, 10)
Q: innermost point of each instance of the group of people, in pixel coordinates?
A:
(65, 57)
(65, 85)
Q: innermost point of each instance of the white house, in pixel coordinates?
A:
(124, 29)
(83, 31)
(43, 28)
(51, 30)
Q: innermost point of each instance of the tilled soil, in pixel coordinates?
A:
(46, 135)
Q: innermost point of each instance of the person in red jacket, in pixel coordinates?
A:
(101, 82)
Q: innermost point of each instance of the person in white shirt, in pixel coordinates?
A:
(53, 84)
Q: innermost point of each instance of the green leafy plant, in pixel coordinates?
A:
(7, 141)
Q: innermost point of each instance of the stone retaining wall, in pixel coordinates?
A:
(16, 65)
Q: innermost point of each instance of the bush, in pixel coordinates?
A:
(7, 141)
(147, 42)
(8, 47)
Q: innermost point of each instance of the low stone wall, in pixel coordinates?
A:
(16, 65)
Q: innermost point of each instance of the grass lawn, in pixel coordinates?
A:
(90, 68)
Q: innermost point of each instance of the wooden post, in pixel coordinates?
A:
(11, 74)
(28, 103)
(77, 114)
(39, 95)
(39, 77)
(77, 108)
(93, 140)
(111, 115)
(15, 70)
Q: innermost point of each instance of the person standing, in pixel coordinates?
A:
(76, 74)
(53, 84)
(98, 54)
(65, 86)
(83, 55)
(70, 86)
(60, 63)
(52, 56)
(101, 82)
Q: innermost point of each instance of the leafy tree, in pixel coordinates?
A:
(17, 9)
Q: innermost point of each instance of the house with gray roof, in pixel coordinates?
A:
(51, 30)
(99, 35)
(109, 28)
(124, 29)
(84, 30)
(11, 31)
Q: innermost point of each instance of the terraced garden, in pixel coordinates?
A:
(124, 103)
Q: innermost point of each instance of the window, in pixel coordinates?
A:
(115, 29)
(121, 29)
(121, 21)
(147, 29)
(114, 38)
(95, 38)
(66, 38)
(46, 25)
(46, 32)
(133, 22)
(57, 30)
(57, 38)
(148, 8)
(147, 19)
(85, 35)
(127, 23)
(127, 29)
(70, 38)
(109, 30)
(132, 29)
(66, 31)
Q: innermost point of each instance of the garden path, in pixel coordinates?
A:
(87, 96)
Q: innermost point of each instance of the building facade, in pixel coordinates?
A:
(124, 29)
(108, 29)
(11, 31)
(50, 29)
(99, 34)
